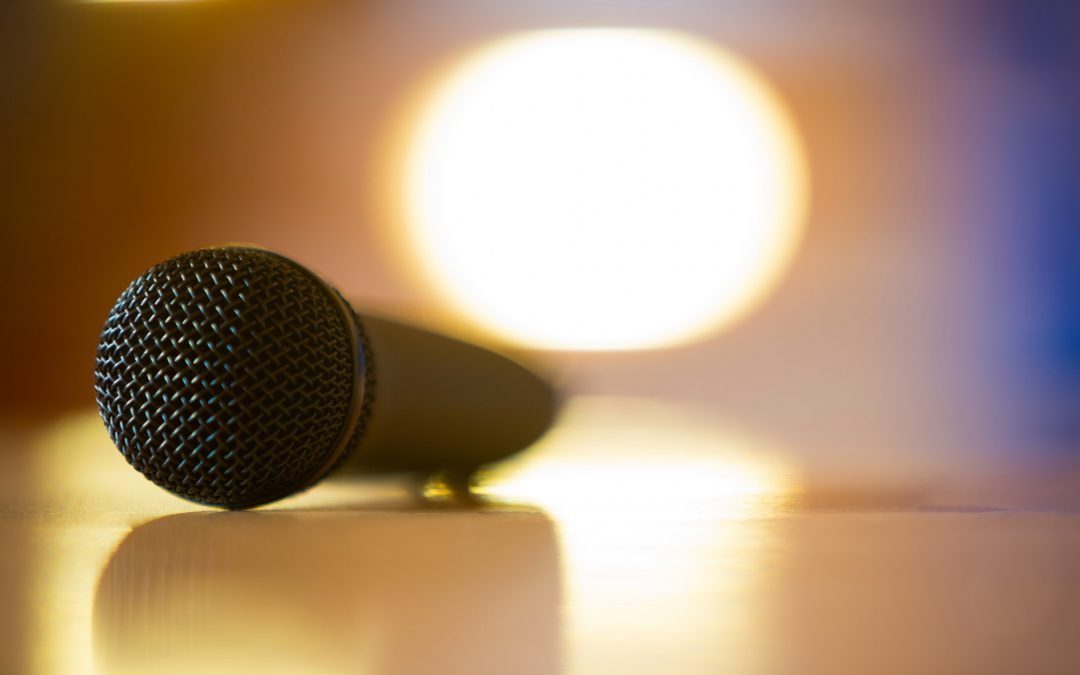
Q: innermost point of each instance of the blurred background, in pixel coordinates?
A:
(911, 292)
(807, 272)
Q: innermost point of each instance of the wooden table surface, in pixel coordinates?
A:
(637, 538)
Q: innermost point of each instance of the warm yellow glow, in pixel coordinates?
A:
(92, 497)
(603, 189)
(659, 509)
(642, 455)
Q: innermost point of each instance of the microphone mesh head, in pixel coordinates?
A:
(226, 376)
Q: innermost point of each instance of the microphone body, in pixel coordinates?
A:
(440, 403)
(233, 376)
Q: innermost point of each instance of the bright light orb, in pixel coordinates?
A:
(603, 189)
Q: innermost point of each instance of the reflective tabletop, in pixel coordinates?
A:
(638, 537)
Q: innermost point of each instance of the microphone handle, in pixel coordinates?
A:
(443, 404)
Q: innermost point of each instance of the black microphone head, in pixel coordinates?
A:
(232, 376)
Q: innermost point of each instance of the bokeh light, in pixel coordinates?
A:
(603, 188)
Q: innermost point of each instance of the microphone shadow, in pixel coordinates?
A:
(381, 591)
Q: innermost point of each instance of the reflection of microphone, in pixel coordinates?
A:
(395, 592)
(233, 376)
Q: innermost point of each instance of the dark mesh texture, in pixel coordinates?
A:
(225, 376)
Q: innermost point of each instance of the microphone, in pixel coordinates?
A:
(233, 376)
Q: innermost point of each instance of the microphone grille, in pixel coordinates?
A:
(226, 376)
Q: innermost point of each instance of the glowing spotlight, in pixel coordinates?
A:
(603, 189)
